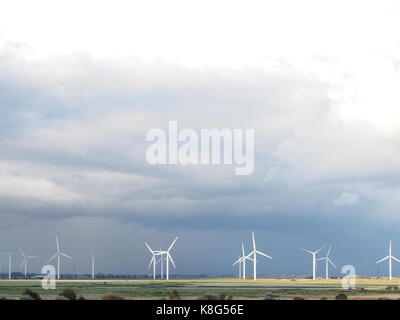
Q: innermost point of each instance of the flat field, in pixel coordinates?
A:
(284, 289)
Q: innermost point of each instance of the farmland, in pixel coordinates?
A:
(271, 288)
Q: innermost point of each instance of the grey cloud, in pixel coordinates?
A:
(72, 150)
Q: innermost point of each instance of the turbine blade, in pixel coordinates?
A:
(383, 259)
(395, 259)
(22, 263)
(148, 247)
(263, 254)
(307, 250)
(254, 241)
(65, 255)
(151, 261)
(329, 250)
(320, 248)
(248, 256)
(239, 260)
(22, 252)
(58, 245)
(242, 249)
(331, 262)
(52, 258)
(172, 244)
(173, 263)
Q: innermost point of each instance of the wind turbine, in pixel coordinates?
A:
(390, 257)
(242, 263)
(327, 261)
(9, 254)
(93, 259)
(313, 259)
(168, 258)
(254, 254)
(153, 259)
(25, 260)
(58, 255)
(161, 253)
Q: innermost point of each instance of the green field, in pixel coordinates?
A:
(193, 289)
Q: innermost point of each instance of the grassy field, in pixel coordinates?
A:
(192, 289)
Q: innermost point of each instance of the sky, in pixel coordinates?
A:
(81, 83)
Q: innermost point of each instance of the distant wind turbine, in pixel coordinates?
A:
(254, 254)
(314, 265)
(327, 262)
(25, 261)
(58, 255)
(168, 258)
(390, 257)
(93, 259)
(9, 254)
(242, 263)
(153, 260)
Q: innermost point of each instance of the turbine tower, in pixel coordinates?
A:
(390, 257)
(254, 259)
(93, 259)
(153, 259)
(9, 254)
(25, 261)
(327, 261)
(58, 255)
(314, 265)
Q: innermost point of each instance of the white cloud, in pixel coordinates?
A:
(346, 199)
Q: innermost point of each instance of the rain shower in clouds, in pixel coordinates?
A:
(319, 87)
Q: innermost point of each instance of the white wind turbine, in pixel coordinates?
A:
(9, 254)
(313, 259)
(93, 258)
(254, 259)
(390, 257)
(153, 259)
(58, 255)
(327, 261)
(168, 258)
(25, 261)
(242, 263)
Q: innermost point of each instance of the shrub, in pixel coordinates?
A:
(298, 298)
(112, 297)
(174, 295)
(69, 294)
(32, 294)
(341, 296)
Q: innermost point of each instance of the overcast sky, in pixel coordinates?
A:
(81, 83)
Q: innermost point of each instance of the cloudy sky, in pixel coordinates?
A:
(81, 83)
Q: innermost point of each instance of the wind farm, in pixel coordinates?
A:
(322, 282)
